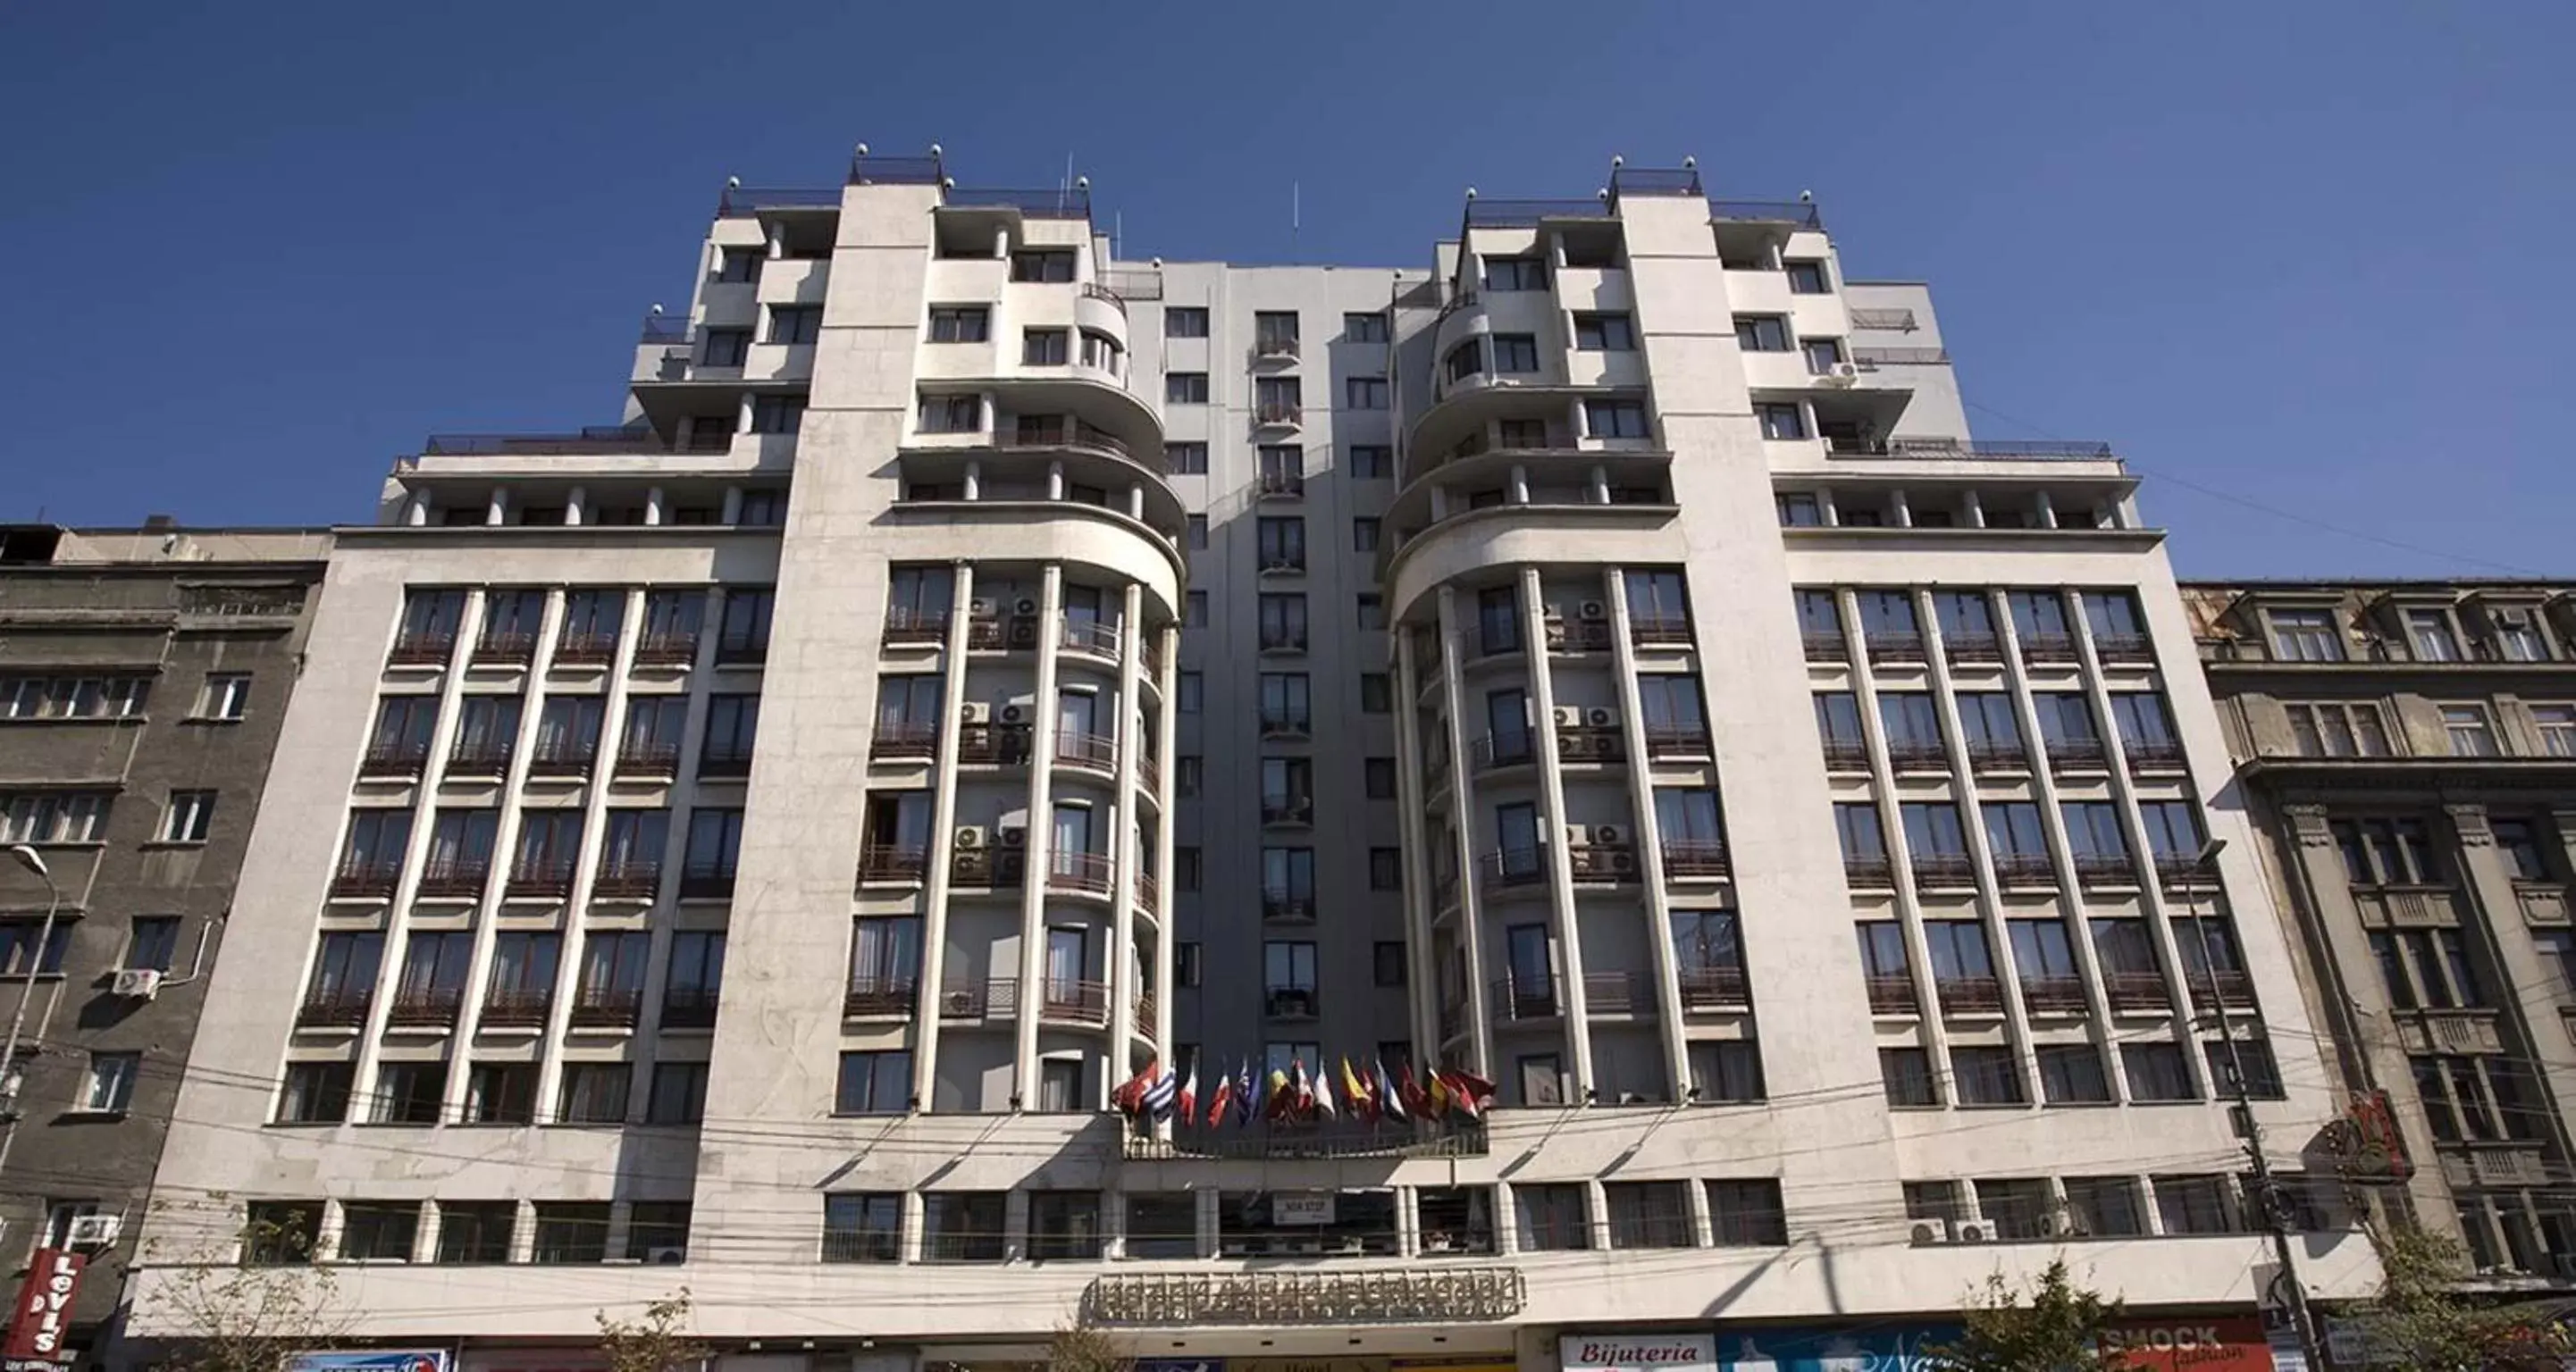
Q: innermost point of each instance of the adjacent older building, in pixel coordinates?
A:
(143, 677)
(2409, 749)
(750, 846)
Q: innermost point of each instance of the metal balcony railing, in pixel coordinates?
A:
(521, 1008)
(333, 1009)
(544, 878)
(480, 757)
(1074, 1002)
(1149, 775)
(1826, 647)
(896, 864)
(1688, 859)
(1659, 631)
(606, 1007)
(504, 648)
(1846, 755)
(1891, 646)
(1511, 868)
(455, 877)
(1677, 742)
(2048, 648)
(875, 997)
(1097, 637)
(638, 761)
(706, 881)
(358, 879)
(394, 759)
(1967, 648)
(2211, 990)
(1715, 988)
(1874, 872)
(2025, 869)
(988, 869)
(627, 881)
(1287, 904)
(1095, 752)
(2076, 755)
(1802, 213)
(1917, 755)
(906, 627)
(1282, 484)
(1503, 750)
(993, 745)
(1279, 415)
(1514, 999)
(2053, 995)
(1084, 872)
(1618, 994)
(975, 999)
(1601, 862)
(1988, 758)
(1970, 995)
(689, 1007)
(2095, 870)
(1062, 202)
(433, 1008)
(665, 648)
(907, 742)
(563, 758)
(2184, 872)
(1144, 1010)
(1943, 869)
(1287, 810)
(1579, 636)
(1892, 995)
(2132, 649)
(2136, 993)
(585, 649)
(2153, 755)
(422, 650)
(1149, 890)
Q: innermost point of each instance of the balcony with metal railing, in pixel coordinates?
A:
(516, 1008)
(421, 649)
(903, 742)
(644, 760)
(1917, 755)
(359, 879)
(1149, 890)
(1618, 995)
(1068, 1001)
(2153, 755)
(1989, 759)
(1511, 869)
(1846, 755)
(1493, 751)
(1290, 1003)
(627, 881)
(334, 1008)
(2128, 650)
(982, 743)
(2058, 996)
(689, 1007)
(1972, 649)
(481, 757)
(2097, 871)
(1892, 995)
(1579, 636)
(1149, 775)
(1825, 647)
(1288, 811)
(2025, 871)
(1288, 904)
(2211, 990)
(606, 1007)
(1715, 989)
(1091, 752)
(2076, 755)
(1869, 872)
(2049, 649)
(1943, 871)
(1082, 873)
(881, 997)
(706, 881)
(455, 878)
(504, 648)
(1092, 637)
(425, 1008)
(397, 759)
(910, 628)
(1678, 743)
(563, 758)
(1279, 414)
(1513, 1000)
(892, 864)
(539, 879)
(1281, 485)
(1144, 1010)
(666, 648)
(585, 649)
(2184, 872)
(974, 1000)
(2136, 993)
(1970, 995)
(988, 869)
(1659, 631)
(1890, 645)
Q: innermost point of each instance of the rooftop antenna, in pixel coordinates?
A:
(1296, 219)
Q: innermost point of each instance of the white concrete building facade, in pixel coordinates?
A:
(747, 848)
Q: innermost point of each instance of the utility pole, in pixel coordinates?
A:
(2293, 1296)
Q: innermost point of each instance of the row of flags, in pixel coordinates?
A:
(1292, 1094)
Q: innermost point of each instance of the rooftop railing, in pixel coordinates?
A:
(1064, 202)
(1802, 213)
(869, 170)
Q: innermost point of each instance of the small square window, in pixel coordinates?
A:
(1799, 510)
(1045, 347)
(1380, 774)
(1386, 869)
(225, 696)
(1364, 393)
(1515, 274)
(1042, 265)
(1907, 1074)
(1377, 693)
(1364, 328)
(1185, 321)
(1390, 965)
(1781, 421)
(1515, 353)
(1762, 333)
(1186, 459)
(152, 943)
(1372, 462)
(1185, 388)
(1806, 278)
(958, 323)
(1615, 419)
(190, 818)
(795, 325)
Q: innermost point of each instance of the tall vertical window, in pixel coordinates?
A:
(189, 818)
(224, 696)
(2430, 633)
(2470, 729)
(2306, 635)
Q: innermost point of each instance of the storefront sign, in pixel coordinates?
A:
(1831, 1350)
(1313, 1207)
(369, 1360)
(1434, 1293)
(1643, 1352)
(1305, 1365)
(2233, 1344)
(39, 1326)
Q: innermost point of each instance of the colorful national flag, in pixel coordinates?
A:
(1223, 1097)
(1130, 1097)
(1411, 1093)
(1359, 1098)
(1188, 1104)
(1248, 1093)
(1435, 1096)
(1388, 1102)
(1160, 1096)
(1321, 1101)
(1283, 1094)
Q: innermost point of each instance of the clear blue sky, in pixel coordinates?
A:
(2308, 255)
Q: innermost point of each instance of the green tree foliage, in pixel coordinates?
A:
(2421, 1318)
(656, 1341)
(2056, 1326)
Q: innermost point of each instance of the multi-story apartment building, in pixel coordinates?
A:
(143, 678)
(2406, 748)
(1603, 664)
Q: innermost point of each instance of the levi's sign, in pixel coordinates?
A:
(44, 1314)
(1636, 1352)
